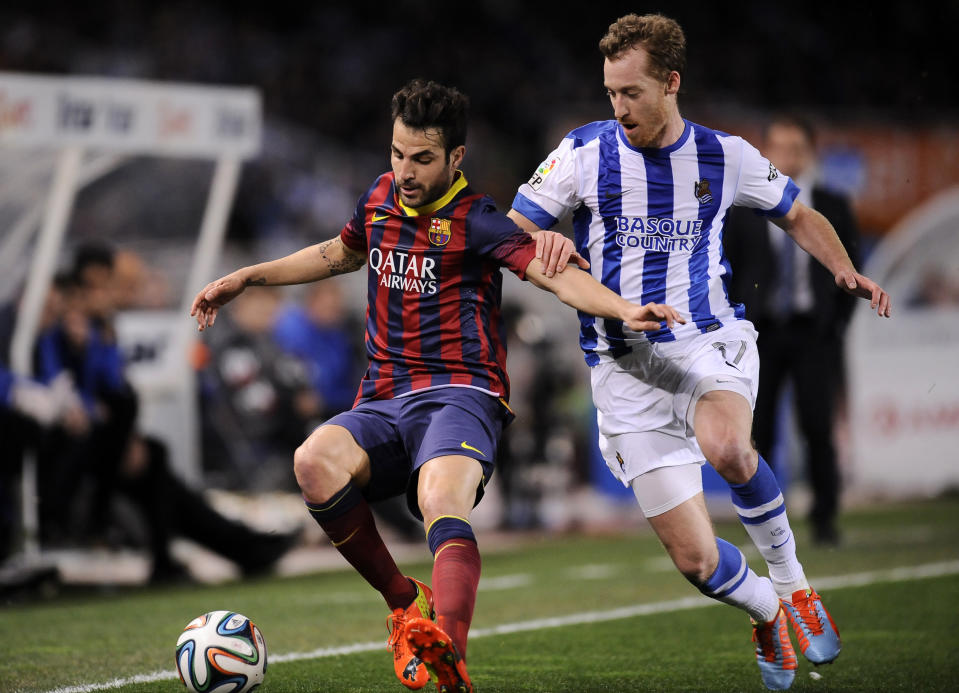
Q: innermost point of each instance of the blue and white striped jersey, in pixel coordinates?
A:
(650, 221)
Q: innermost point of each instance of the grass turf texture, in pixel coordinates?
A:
(898, 636)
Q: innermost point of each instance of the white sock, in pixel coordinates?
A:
(760, 506)
(785, 570)
(734, 582)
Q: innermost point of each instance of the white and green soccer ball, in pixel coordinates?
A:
(221, 652)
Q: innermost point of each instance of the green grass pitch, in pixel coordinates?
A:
(624, 620)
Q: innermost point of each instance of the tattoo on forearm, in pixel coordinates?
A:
(255, 281)
(347, 263)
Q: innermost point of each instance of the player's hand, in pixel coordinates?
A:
(214, 295)
(555, 251)
(651, 317)
(863, 287)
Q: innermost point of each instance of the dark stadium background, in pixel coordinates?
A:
(327, 70)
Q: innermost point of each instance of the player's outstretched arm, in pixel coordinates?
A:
(814, 234)
(553, 249)
(579, 290)
(309, 264)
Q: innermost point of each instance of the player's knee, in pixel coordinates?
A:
(433, 505)
(315, 464)
(448, 487)
(733, 457)
(305, 466)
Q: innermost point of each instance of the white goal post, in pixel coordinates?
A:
(74, 115)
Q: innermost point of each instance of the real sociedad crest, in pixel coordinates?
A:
(440, 231)
(702, 192)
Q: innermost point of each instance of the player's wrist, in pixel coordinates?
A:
(250, 276)
(626, 311)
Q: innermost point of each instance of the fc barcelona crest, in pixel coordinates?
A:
(440, 231)
(702, 192)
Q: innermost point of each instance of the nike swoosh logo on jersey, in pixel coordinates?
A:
(776, 546)
(467, 446)
(375, 218)
(610, 196)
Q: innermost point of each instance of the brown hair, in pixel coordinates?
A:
(660, 36)
(423, 105)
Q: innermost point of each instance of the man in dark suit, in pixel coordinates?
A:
(799, 312)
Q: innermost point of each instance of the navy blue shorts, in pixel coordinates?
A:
(401, 434)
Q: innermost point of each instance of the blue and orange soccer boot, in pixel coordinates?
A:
(775, 653)
(410, 669)
(817, 634)
(432, 645)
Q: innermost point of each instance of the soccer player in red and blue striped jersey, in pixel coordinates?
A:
(434, 287)
(433, 403)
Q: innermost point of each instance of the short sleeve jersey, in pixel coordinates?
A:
(434, 289)
(650, 221)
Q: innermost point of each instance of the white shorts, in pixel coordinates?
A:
(645, 400)
(659, 490)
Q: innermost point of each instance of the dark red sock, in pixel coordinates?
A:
(353, 532)
(456, 574)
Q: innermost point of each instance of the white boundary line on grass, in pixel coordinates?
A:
(928, 570)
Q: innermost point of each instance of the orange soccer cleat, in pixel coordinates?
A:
(410, 669)
(432, 645)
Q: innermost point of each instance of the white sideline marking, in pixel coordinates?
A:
(928, 570)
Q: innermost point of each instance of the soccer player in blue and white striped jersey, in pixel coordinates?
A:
(648, 193)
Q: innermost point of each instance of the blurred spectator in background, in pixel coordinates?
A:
(800, 314)
(321, 333)
(82, 470)
(173, 509)
(136, 285)
(29, 411)
(258, 400)
(81, 346)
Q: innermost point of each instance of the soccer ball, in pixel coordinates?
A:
(221, 652)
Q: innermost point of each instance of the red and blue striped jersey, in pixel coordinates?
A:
(434, 289)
